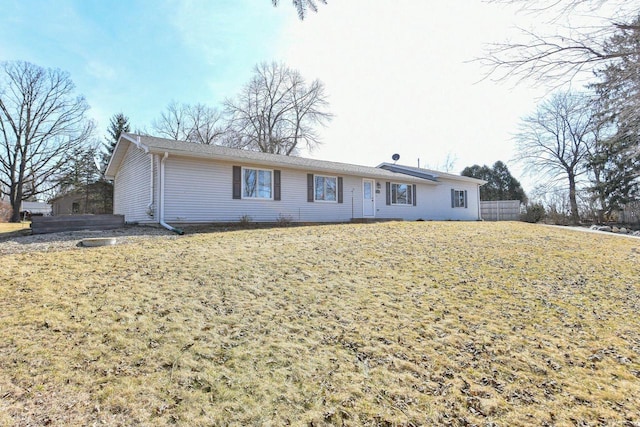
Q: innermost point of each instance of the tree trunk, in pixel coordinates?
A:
(575, 218)
(15, 199)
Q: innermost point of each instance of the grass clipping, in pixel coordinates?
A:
(377, 324)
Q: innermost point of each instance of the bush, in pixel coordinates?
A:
(534, 213)
(284, 220)
(5, 211)
(556, 217)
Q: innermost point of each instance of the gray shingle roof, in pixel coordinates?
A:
(427, 173)
(189, 149)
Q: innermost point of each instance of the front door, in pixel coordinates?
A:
(368, 198)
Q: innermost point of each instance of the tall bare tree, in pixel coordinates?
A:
(556, 141)
(303, 6)
(194, 123)
(41, 122)
(277, 111)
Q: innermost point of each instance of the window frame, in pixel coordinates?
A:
(394, 194)
(324, 178)
(257, 191)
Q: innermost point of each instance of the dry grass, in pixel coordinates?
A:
(384, 324)
(10, 228)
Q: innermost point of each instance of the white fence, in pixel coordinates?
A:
(500, 210)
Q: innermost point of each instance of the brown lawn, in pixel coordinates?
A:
(423, 323)
(7, 228)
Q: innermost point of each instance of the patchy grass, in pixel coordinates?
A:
(10, 229)
(380, 324)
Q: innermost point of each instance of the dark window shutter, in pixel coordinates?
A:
(309, 187)
(339, 189)
(453, 198)
(276, 185)
(414, 195)
(388, 193)
(465, 199)
(237, 182)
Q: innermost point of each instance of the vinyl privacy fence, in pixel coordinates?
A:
(500, 210)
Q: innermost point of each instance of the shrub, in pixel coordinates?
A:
(245, 219)
(534, 212)
(556, 217)
(284, 220)
(5, 211)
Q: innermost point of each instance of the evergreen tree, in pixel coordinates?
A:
(617, 163)
(80, 171)
(118, 125)
(83, 176)
(501, 185)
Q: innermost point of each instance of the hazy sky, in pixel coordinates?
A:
(397, 73)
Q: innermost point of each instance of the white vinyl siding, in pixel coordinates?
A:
(198, 190)
(201, 191)
(132, 186)
(433, 203)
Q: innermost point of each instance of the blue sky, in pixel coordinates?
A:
(397, 73)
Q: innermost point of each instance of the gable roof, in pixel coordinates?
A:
(160, 146)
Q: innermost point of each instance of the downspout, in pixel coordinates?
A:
(479, 206)
(151, 183)
(161, 207)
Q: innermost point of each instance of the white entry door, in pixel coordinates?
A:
(368, 198)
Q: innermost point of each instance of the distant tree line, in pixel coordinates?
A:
(501, 185)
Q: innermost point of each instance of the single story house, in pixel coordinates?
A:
(164, 181)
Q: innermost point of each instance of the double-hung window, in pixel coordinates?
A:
(458, 198)
(401, 194)
(257, 184)
(325, 188)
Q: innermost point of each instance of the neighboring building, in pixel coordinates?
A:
(29, 209)
(164, 181)
(95, 198)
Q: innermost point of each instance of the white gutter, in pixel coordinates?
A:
(161, 207)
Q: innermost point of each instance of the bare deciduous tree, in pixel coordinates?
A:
(556, 140)
(207, 126)
(572, 47)
(277, 111)
(303, 6)
(41, 122)
(194, 123)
